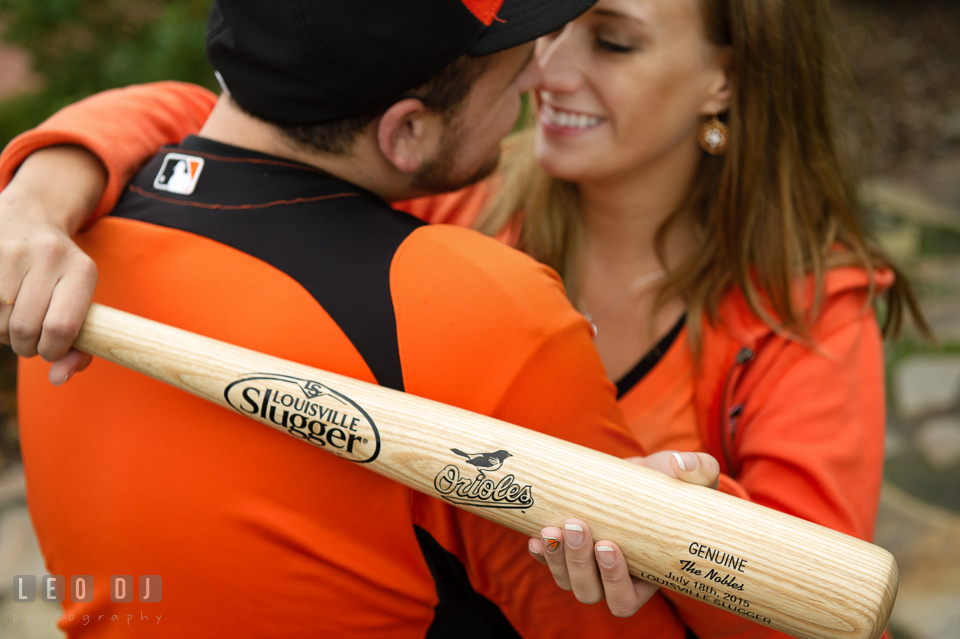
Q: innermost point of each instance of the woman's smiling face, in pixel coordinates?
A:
(626, 85)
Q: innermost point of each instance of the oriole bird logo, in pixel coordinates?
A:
(484, 461)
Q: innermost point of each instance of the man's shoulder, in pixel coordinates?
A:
(454, 264)
(485, 327)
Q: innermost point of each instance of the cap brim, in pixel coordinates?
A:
(520, 21)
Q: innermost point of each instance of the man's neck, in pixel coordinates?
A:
(363, 166)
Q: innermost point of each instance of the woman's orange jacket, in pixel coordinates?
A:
(795, 428)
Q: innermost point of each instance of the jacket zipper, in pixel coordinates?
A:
(743, 356)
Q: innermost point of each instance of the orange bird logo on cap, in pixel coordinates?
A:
(484, 10)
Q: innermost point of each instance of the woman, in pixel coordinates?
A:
(747, 234)
(685, 180)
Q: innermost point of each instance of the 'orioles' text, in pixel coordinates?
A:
(482, 491)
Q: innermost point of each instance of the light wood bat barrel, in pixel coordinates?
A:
(782, 572)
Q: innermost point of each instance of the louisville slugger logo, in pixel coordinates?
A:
(466, 489)
(307, 410)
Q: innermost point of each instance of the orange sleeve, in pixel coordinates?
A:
(122, 127)
(811, 439)
(813, 446)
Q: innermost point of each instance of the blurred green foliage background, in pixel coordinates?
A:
(79, 47)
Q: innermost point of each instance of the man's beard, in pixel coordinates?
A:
(437, 175)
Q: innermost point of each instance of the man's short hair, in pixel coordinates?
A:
(444, 94)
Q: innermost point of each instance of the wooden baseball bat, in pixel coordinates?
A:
(788, 574)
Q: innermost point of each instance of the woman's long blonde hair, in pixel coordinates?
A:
(773, 209)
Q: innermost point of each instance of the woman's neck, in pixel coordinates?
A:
(621, 220)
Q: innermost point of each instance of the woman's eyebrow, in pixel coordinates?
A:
(611, 13)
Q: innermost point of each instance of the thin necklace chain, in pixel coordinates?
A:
(635, 286)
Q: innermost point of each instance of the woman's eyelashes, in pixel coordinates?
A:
(613, 47)
(616, 44)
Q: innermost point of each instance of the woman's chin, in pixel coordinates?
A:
(569, 169)
(562, 164)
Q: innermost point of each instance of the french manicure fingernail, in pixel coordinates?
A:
(574, 535)
(551, 543)
(532, 548)
(679, 461)
(606, 556)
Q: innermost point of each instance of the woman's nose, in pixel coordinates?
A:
(559, 63)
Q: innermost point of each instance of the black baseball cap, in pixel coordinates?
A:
(315, 61)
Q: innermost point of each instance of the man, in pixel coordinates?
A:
(271, 231)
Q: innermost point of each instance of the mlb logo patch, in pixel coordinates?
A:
(179, 174)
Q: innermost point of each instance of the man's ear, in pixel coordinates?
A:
(408, 134)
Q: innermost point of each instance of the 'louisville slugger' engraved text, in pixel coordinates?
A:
(709, 594)
(308, 410)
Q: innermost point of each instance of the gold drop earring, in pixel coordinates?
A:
(714, 136)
